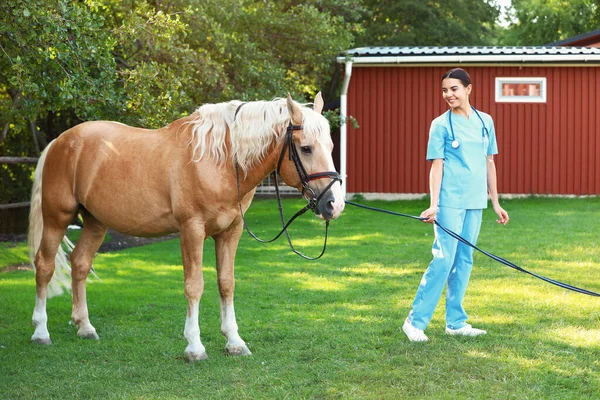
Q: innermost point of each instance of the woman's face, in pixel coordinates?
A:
(455, 93)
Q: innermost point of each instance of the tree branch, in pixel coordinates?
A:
(16, 96)
(4, 132)
(36, 144)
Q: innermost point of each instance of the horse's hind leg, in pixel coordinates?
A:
(52, 234)
(226, 245)
(91, 238)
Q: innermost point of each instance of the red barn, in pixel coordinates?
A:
(545, 102)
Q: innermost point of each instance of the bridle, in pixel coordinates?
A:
(308, 193)
(305, 178)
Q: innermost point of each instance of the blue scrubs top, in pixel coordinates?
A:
(464, 181)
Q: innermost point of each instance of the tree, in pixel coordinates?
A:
(538, 22)
(147, 63)
(429, 23)
(54, 58)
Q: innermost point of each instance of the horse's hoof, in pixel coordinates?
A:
(193, 357)
(237, 350)
(88, 335)
(42, 340)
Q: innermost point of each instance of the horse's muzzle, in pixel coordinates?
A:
(329, 207)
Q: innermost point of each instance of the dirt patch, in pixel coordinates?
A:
(117, 241)
(9, 237)
(120, 241)
(16, 267)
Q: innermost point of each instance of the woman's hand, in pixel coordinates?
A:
(502, 214)
(429, 214)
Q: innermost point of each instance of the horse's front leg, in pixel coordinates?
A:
(192, 243)
(225, 247)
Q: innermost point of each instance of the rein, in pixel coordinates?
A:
(307, 192)
(490, 255)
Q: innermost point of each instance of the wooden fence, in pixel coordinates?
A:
(18, 160)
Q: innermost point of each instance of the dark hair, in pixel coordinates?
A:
(460, 74)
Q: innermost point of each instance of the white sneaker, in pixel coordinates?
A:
(466, 330)
(414, 334)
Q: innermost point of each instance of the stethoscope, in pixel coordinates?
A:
(455, 142)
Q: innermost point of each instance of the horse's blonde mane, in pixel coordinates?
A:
(251, 132)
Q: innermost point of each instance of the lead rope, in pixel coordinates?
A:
(490, 255)
(283, 223)
(279, 206)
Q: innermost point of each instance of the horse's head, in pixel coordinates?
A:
(306, 164)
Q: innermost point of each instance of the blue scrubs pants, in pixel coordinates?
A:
(452, 264)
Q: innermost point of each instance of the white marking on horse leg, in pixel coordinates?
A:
(44, 263)
(225, 246)
(80, 313)
(91, 238)
(235, 345)
(40, 320)
(192, 241)
(195, 350)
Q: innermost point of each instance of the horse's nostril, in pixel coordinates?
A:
(330, 205)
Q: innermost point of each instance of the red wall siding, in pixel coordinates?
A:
(547, 148)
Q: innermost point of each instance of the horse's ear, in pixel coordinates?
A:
(318, 104)
(294, 111)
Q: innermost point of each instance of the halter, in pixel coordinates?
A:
(307, 191)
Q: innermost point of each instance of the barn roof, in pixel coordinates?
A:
(590, 39)
(471, 54)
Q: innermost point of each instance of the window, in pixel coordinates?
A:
(521, 90)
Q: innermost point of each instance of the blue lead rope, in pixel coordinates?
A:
(490, 255)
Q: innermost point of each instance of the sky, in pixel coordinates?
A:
(503, 3)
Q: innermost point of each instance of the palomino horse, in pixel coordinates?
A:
(180, 178)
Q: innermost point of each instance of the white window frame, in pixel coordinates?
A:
(521, 99)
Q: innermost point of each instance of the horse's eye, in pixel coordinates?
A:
(306, 149)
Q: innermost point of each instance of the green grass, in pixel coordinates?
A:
(13, 253)
(329, 328)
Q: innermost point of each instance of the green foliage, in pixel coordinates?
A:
(429, 23)
(148, 63)
(15, 180)
(15, 183)
(56, 56)
(160, 75)
(538, 22)
(327, 329)
(336, 120)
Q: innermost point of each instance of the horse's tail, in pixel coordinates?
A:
(61, 278)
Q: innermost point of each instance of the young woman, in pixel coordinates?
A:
(462, 144)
